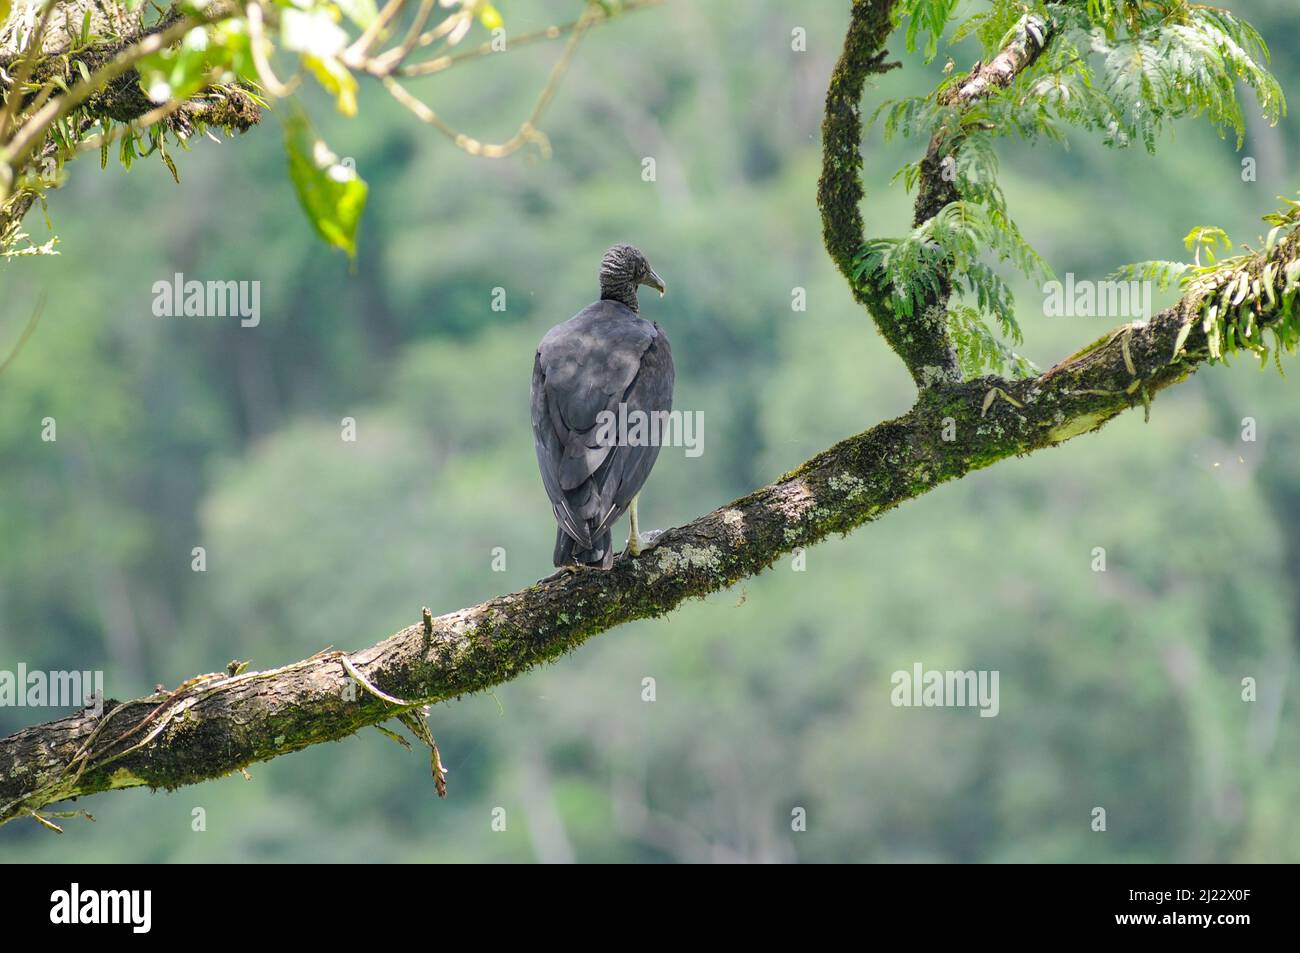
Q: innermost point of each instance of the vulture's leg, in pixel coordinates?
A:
(633, 538)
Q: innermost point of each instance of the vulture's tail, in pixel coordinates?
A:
(601, 553)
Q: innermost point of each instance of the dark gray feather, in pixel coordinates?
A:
(605, 355)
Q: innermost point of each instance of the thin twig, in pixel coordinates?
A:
(256, 43)
(356, 54)
(386, 62)
(27, 333)
(553, 32)
(528, 131)
(34, 128)
(365, 683)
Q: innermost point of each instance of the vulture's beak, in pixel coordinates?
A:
(655, 282)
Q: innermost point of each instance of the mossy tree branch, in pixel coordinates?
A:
(1032, 38)
(922, 339)
(42, 82)
(937, 181)
(219, 723)
(840, 191)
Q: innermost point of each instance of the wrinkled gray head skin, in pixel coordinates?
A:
(621, 270)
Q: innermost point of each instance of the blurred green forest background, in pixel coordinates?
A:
(1119, 689)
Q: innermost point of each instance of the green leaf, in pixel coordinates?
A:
(181, 71)
(1185, 330)
(1206, 238)
(331, 193)
(167, 160)
(490, 17)
(336, 79)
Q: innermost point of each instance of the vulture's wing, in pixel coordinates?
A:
(650, 391)
(549, 444)
(604, 356)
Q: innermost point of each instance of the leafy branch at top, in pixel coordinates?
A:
(1236, 295)
(1121, 68)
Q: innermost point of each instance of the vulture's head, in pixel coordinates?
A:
(624, 268)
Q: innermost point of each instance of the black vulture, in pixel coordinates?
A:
(604, 356)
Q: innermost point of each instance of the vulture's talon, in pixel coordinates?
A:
(568, 570)
(643, 542)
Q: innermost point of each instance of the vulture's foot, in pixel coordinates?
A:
(566, 570)
(639, 543)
